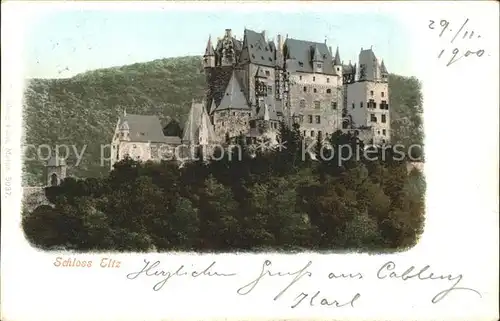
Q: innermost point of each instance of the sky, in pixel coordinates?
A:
(63, 43)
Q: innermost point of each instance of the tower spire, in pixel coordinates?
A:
(336, 60)
(209, 50)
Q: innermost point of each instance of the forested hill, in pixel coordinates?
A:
(83, 110)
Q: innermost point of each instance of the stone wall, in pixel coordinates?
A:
(234, 122)
(317, 89)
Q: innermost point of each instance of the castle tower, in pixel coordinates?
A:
(55, 170)
(209, 56)
(337, 63)
(383, 72)
(317, 60)
(228, 50)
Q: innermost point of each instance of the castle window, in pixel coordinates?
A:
(352, 105)
(302, 103)
(360, 104)
(373, 119)
(135, 146)
(301, 64)
(383, 132)
(305, 133)
(383, 105)
(270, 89)
(234, 113)
(334, 105)
(319, 133)
(383, 118)
(310, 119)
(378, 132)
(253, 56)
(338, 69)
(300, 77)
(382, 94)
(371, 93)
(53, 179)
(371, 103)
(262, 57)
(314, 90)
(319, 65)
(328, 91)
(305, 89)
(301, 120)
(318, 119)
(314, 78)
(251, 46)
(312, 133)
(327, 79)
(317, 105)
(267, 73)
(270, 59)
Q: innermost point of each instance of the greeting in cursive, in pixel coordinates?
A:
(151, 269)
(387, 271)
(265, 271)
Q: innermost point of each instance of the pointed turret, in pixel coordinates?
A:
(317, 55)
(383, 69)
(383, 72)
(209, 56)
(336, 60)
(317, 60)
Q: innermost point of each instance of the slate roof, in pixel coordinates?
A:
(198, 120)
(317, 55)
(383, 69)
(260, 52)
(302, 52)
(336, 60)
(234, 96)
(209, 51)
(146, 128)
(218, 79)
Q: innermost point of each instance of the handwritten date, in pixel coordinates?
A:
(445, 28)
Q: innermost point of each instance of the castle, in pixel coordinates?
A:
(255, 84)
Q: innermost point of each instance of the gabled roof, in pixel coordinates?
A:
(302, 52)
(259, 51)
(234, 96)
(209, 51)
(336, 60)
(197, 121)
(145, 128)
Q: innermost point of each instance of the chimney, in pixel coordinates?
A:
(228, 33)
(264, 34)
(330, 48)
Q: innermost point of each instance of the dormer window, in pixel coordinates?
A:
(301, 64)
(314, 78)
(319, 65)
(267, 73)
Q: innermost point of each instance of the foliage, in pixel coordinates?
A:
(242, 204)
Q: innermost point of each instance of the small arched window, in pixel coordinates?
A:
(53, 179)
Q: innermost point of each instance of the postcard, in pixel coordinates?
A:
(250, 161)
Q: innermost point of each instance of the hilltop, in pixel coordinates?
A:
(83, 110)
